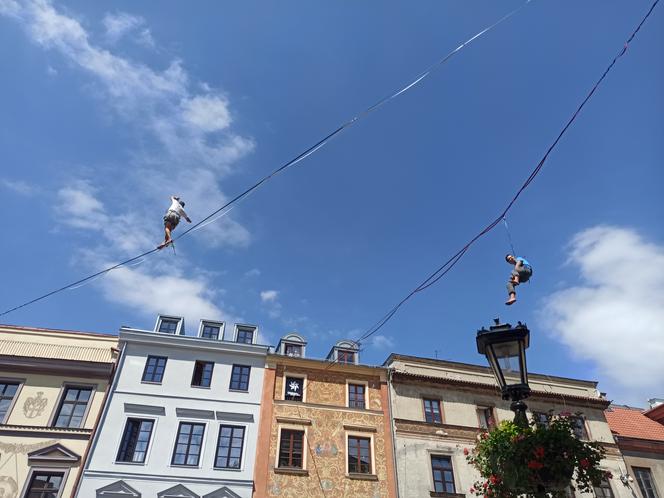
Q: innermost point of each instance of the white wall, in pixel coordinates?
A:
(217, 405)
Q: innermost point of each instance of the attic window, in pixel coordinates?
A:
(293, 350)
(168, 325)
(210, 330)
(245, 335)
(345, 357)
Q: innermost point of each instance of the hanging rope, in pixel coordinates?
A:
(509, 236)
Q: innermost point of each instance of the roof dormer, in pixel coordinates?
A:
(345, 352)
(210, 329)
(167, 324)
(246, 334)
(292, 345)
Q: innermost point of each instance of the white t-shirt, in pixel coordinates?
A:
(176, 207)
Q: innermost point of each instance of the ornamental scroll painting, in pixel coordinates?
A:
(8, 487)
(34, 406)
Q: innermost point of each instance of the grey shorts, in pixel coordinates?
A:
(172, 218)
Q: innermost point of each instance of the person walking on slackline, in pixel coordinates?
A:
(521, 273)
(172, 218)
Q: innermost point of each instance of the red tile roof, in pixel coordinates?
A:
(631, 422)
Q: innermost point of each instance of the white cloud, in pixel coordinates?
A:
(381, 342)
(78, 207)
(269, 296)
(207, 112)
(615, 316)
(19, 186)
(254, 272)
(119, 24)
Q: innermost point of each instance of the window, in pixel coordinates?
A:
(135, 440)
(356, 395)
(168, 325)
(293, 350)
(240, 378)
(45, 485)
(579, 427)
(188, 445)
(290, 448)
(443, 475)
(432, 411)
(541, 419)
(7, 393)
(359, 455)
(604, 489)
(210, 331)
(347, 357)
(154, 369)
(294, 389)
(73, 406)
(245, 335)
(486, 418)
(202, 374)
(644, 478)
(229, 447)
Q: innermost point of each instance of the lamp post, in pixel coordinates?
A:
(505, 348)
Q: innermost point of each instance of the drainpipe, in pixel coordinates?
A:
(392, 425)
(102, 414)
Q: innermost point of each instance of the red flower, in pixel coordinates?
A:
(539, 452)
(565, 414)
(584, 463)
(465, 451)
(485, 485)
(534, 464)
(494, 480)
(472, 489)
(608, 475)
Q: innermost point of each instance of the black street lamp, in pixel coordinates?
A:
(505, 348)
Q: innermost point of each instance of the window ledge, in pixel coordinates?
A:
(446, 495)
(362, 477)
(239, 390)
(200, 387)
(293, 472)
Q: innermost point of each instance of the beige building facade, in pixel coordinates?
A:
(52, 388)
(439, 407)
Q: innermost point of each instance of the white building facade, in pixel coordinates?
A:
(182, 416)
(438, 408)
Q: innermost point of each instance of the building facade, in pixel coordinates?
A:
(641, 441)
(439, 407)
(325, 426)
(182, 415)
(52, 387)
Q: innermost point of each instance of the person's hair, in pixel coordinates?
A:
(181, 203)
(508, 256)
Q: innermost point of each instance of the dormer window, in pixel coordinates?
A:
(211, 330)
(169, 325)
(345, 357)
(293, 350)
(245, 334)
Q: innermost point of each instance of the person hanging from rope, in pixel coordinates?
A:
(521, 273)
(172, 218)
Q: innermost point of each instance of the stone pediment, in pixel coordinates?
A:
(178, 491)
(119, 489)
(222, 493)
(56, 453)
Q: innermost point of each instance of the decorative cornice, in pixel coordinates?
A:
(41, 431)
(360, 428)
(336, 408)
(134, 336)
(294, 421)
(435, 431)
(50, 366)
(325, 365)
(637, 444)
(412, 378)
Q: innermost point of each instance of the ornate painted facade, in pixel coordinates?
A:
(52, 387)
(324, 424)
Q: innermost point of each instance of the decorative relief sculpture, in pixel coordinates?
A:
(34, 406)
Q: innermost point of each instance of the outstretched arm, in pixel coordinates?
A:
(518, 265)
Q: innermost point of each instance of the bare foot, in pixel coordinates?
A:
(163, 244)
(510, 301)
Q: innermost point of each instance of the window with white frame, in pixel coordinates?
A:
(210, 330)
(291, 449)
(293, 350)
(345, 357)
(135, 440)
(357, 395)
(229, 447)
(486, 418)
(359, 455)
(155, 366)
(45, 484)
(168, 325)
(245, 335)
(188, 444)
(240, 378)
(294, 388)
(8, 390)
(73, 407)
(202, 374)
(443, 474)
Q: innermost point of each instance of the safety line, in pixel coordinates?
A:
(288, 164)
(451, 262)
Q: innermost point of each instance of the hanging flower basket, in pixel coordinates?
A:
(535, 461)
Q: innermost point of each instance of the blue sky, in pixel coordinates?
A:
(109, 108)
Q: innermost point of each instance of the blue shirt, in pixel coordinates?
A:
(524, 262)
